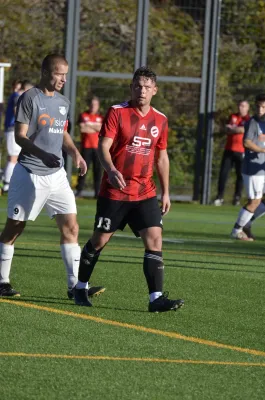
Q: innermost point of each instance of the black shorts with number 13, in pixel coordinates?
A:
(115, 214)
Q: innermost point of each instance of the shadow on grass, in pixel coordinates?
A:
(170, 263)
(37, 256)
(55, 300)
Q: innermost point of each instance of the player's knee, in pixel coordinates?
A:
(99, 240)
(253, 204)
(154, 243)
(12, 231)
(70, 231)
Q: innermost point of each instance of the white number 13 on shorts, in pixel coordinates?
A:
(104, 223)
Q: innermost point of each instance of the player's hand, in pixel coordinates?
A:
(116, 179)
(80, 163)
(166, 204)
(51, 160)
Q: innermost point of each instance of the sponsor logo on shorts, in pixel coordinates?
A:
(56, 125)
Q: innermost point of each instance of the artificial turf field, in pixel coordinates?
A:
(213, 348)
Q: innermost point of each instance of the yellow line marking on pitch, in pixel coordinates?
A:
(137, 359)
(172, 335)
(190, 252)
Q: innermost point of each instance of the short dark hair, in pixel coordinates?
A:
(260, 98)
(94, 98)
(15, 83)
(146, 73)
(51, 60)
(242, 101)
(25, 84)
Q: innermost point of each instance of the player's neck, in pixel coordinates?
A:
(45, 89)
(142, 110)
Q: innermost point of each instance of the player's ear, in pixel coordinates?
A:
(155, 90)
(45, 72)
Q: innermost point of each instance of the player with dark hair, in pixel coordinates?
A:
(132, 139)
(39, 178)
(234, 153)
(90, 122)
(253, 172)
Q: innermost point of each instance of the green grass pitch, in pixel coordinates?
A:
(213, 348)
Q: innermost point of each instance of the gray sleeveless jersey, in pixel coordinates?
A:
(47, 117)
(254, 163)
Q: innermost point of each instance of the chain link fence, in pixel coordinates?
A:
(107, 40)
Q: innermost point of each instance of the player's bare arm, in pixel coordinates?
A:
(162, 168)
(51, 160)
(233, 130)
(70, 148)
(248, 144)
(114, 176)
(90, 127)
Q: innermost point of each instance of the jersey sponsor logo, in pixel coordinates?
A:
(138, 150)
(56, 125)
(143, 127)
(140, 145)
(62, 110)
(139, 141)
(42, 108)
(154, 131)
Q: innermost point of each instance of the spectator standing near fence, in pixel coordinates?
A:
(234, 153)
(90, 123)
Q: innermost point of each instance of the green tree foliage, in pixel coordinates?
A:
(30, 29)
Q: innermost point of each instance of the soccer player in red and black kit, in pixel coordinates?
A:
(234, 153)
(132, 139)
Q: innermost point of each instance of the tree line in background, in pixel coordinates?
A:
(30, 29)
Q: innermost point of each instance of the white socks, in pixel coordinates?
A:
(244, 217)
(6, 256)
(71, 257)
(260, 210)
(153, 296)
(8, 171)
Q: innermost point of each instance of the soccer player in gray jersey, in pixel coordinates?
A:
(39, 178)
(253, 172)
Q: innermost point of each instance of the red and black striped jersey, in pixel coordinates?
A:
(135, 142)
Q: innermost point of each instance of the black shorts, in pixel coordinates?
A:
(115, 214)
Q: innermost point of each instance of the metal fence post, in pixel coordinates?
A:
(202, 106)
(211, 94)
(72, 54)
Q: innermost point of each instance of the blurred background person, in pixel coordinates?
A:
(13, 149)
(90, 122)
(233, 153)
